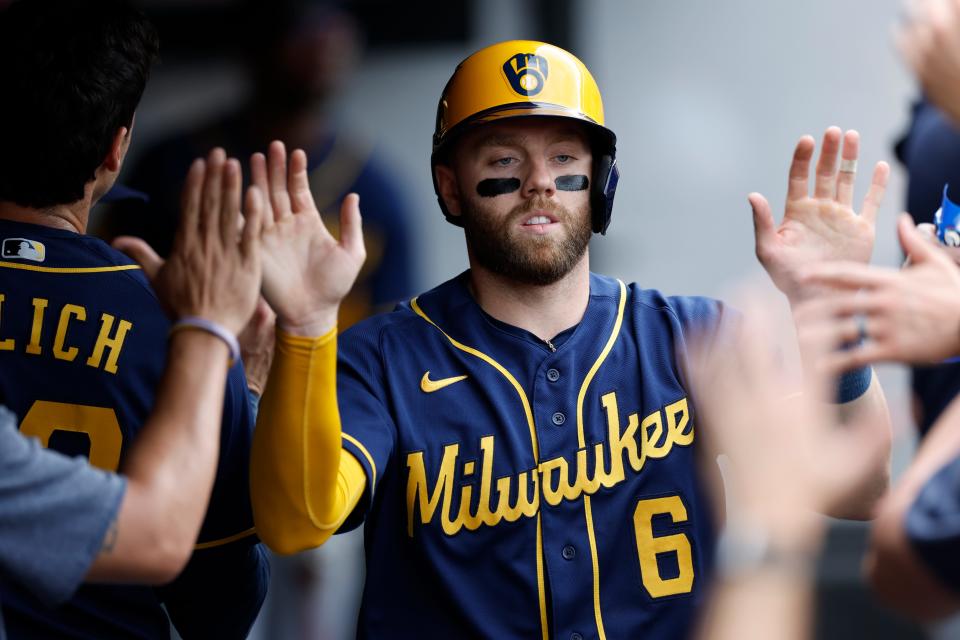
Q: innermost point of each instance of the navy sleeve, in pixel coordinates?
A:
(368, 429)
(933, 524)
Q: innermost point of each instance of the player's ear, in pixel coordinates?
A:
(118, 149)
(448, 188)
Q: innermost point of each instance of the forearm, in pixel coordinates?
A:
(871, 409)
(895, 571)
(302, 486)
(893, 567)
(170, 468)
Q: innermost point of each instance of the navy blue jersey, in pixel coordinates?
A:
(82, 344)
(930, 151)
(932, 524)
(526, 489)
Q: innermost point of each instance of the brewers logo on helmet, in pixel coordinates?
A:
(526, 78)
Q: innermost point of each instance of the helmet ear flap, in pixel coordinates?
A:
(604, 187)
(452, 219)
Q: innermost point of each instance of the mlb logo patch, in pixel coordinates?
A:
(23, 249)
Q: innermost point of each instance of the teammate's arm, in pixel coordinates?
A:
(302, 484)
(819, 227)
(911, 315)
(170, 468)
(911, 582)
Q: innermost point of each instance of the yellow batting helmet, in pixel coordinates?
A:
(521, 78)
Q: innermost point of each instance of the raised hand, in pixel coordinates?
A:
(911, 315)
(213, 271)
(823, 226)
(306, 271)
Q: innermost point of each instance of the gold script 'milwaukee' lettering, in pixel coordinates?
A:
(554, 480)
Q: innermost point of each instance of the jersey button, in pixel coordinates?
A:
(553, 375)
(568, 552)
(576, 636)
(559, 418)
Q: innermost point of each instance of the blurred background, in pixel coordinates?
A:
(707, 99)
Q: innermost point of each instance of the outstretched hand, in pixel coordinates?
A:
(306, 271)
(912, 315)
(213, 271)
(823, 226)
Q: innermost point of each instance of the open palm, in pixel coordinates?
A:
(306, 271)
(823, 226)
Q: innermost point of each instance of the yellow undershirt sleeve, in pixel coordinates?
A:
(302, 488)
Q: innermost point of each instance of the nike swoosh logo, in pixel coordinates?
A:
(429, 386)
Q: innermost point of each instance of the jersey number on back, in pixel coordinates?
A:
(650, 546)
(99, 423)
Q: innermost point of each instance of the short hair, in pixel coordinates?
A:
(72, 73)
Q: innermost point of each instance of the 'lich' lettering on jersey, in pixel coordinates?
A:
(109, 340)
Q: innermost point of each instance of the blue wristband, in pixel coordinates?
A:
(193, 322)
(853, 384)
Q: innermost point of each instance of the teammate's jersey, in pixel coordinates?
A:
(83, 342)
(525, 489)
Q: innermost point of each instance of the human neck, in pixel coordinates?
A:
(543, 310)
(69, 217)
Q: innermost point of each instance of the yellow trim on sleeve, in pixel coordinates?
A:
(366, 454)
(33, 267)
(541, 590)
(222, 541)
(587, 508)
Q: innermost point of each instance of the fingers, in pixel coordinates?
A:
(928, 231)
(299, 183)
(764, 228)
(190, 203)
(212, 194)
(797, 186)
(848, 275)
(868, 352)
(254, 209)
(915, 243)
(230, 203)
(141, 252)
(258, 177)
(277, 180)
(351, 226)
(874, 197)
(825, 185)
(846, 177)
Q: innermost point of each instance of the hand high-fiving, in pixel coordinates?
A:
(306, 271)
(213, 271)
(911, 315)
(823, 226)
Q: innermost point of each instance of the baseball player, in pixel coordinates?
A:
(82, 335)
(519, 442)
